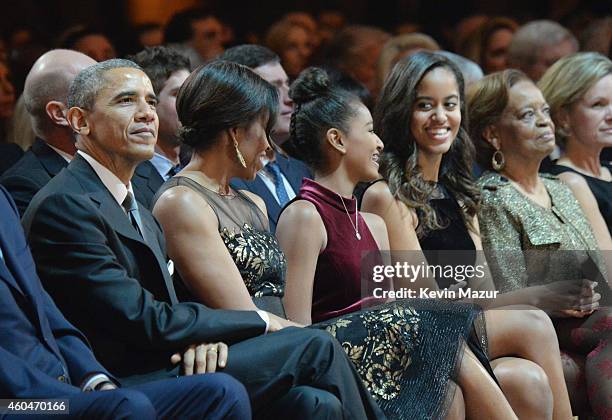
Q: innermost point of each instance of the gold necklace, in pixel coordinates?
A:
(204, 183)
(356, 225)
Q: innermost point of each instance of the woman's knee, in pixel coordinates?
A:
(526, 383)
(536, 327)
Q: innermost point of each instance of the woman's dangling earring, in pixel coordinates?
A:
(498, 161)
(240, 157)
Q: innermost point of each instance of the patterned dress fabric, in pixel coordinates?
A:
(405, 351)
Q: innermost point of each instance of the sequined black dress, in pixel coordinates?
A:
(406, 351)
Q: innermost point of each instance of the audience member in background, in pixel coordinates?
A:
(308, 22)
(198, 30)
(537, 45)
(45, 95)
(167, 69)
(597, 37)
(578, 89)
(150, 35)
(89, 41)
(329, 22)
(102, 257)
(463, 29)
(470, 71)
(293, 44)
(280, 179)
(428, 201)
(399, 47)
(488, 44)
(43, 356)
(7, 100)
(355, 50)
(10, 152)
(534, 232)
(407, 28)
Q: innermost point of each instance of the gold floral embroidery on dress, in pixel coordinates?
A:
(382, 353)
(259, 259)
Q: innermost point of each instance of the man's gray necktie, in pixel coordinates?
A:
(131, 208)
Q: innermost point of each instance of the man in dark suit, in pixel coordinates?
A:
(102, 258)
(167, 69)
(282, 175)
(43, 356)
(45, 92)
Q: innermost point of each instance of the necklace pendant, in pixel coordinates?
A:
(358, 235)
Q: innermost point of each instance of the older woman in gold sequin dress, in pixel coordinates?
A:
(534, 233)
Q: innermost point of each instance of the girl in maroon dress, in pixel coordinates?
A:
(409, 352)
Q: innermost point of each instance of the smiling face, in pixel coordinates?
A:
(590, 118)
(525, 129)
(122, 124)
(436, 115)
(166, 109)
(253, 144)
(274, 74)
(363, 146)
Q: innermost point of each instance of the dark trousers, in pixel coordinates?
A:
(291, 367)
(209, 396)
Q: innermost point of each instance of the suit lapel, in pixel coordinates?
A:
(155, 180)
(149, 223)
(119, 221)
(49, 159)
(148, 173)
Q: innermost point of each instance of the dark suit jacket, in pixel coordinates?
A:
(146, 181)
(32, 172)
(10, 153)
(112, 285)
(293, 169)
(41, 354)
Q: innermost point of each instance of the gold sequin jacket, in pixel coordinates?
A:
(527, 244)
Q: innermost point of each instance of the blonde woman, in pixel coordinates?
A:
(578, 89)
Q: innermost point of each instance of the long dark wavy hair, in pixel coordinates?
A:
(399, 164)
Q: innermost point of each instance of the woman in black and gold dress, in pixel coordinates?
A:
(408, 353)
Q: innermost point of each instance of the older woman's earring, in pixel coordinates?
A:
(498, 161)
(240, 157)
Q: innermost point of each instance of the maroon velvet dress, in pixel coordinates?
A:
(339, 284)
(406, 351)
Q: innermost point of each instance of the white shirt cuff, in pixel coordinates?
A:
(100, 377)
(266, 318)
